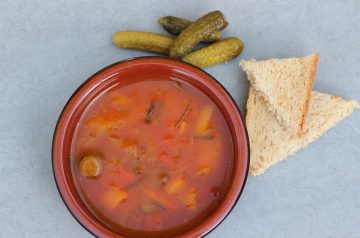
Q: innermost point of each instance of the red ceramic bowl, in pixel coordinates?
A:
(140, 68)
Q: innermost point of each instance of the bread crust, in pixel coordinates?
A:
(308, 94)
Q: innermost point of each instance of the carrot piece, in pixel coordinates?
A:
(163, 156)
(168, 138)
(176, 185)
(203, 170)
(120, 99)
(113, 197)
(203, 121)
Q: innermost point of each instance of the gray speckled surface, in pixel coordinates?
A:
(48, 48)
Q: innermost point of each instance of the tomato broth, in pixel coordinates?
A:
(153, 157)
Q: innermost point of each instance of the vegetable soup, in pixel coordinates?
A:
(153, 157)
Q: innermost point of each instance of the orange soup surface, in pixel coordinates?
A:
(152, 157)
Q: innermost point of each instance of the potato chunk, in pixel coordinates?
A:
(113, 197)
(176, 185)
(191, 199)
(203, 121)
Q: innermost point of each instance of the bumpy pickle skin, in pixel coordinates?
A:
(175, 25)
(197, 32)
(218, 52)
(146, 41)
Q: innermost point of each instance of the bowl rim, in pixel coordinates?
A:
(215, 224)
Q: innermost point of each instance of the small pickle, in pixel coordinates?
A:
(175, 25)
(197, 32)
(216, 53)
(146, 41)
(89, 166)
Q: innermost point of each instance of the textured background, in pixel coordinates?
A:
(48, 48)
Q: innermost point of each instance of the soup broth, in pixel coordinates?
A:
(152, 157)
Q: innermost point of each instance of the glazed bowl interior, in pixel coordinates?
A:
(123, 73)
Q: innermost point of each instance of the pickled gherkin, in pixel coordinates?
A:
(197, 32)
(218, 52)
(175, 25)
(146, 41)
(89, 166)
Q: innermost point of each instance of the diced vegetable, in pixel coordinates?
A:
(168, 138)
(176, 185)
(97, 123)
(106, 121)
(203, 170)
(120, 99)
(203, 121)
(191, 199)
(149, 207)
(163, 156)
(114, 166)
(113, 197)
(150, 112)
(164, 178)
(114, 163)
(165, 200)
(137, 170)
(89, 166)
(131, 146)
(132, 150)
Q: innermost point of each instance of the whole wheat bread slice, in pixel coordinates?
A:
(271, 143)
(286, 85)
